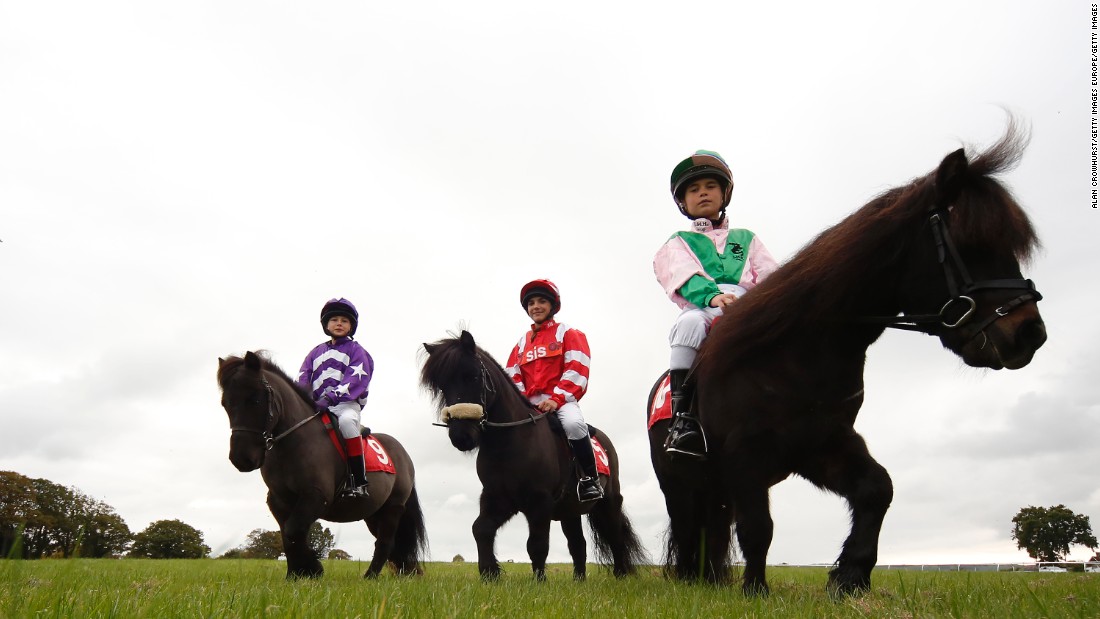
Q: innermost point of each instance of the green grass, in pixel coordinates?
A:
(252, 588)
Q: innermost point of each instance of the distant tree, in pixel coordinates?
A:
(338, 555)
(320, 539)
(104, 533)
(1046, 533)
(233, 553)
(55, 530)
(263, 544)
(169, 539)
(458, 559)
(56, 521)
(17, 511)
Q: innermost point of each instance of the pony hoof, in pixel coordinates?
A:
(490, 575)
(847, 582)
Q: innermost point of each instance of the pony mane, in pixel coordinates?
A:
(814, 286)
(448, 360)
(230, 365)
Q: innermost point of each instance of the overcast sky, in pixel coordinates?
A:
(185, 181)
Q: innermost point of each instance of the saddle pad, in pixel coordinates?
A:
(374, 454)
(602, 467)
(661, 407)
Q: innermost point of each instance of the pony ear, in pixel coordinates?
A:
(221, 362)
(252, 361)
(467, 341)
(950, 177)
(430, 347)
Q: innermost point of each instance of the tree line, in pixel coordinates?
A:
(41, 519)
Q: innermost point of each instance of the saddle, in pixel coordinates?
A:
(597, 449)
(375, 456)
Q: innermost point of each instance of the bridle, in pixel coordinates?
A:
(476, 412)
(960, 302)
(272, 420)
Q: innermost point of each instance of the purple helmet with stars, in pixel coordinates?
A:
(339, 307)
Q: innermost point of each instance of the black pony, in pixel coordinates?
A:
(275, 429)
(780, 379)
(523, 465)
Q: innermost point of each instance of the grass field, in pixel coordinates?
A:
(254, 588)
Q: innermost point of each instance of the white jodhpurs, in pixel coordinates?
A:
(347, 418)
(691, 328)
(572, 422)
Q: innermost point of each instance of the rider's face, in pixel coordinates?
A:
(703, 198)
(339, 326)
(539, 308)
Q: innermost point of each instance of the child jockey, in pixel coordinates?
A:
(550, 366)
(337, 372)
(703, 270)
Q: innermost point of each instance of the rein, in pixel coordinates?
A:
(272, 419)
(960, 299)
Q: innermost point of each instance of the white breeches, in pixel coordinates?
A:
(347, 418)
(572, 422)
(691, 328)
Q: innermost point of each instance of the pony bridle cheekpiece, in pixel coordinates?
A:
(960, 303)
(272, 419)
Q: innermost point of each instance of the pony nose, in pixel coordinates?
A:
(1033, 334)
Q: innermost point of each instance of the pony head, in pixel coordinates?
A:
(457, 376)
(964, 266)
(247, 401)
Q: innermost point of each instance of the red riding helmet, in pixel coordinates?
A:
(339, 307)
(541, 288)
(702, 163)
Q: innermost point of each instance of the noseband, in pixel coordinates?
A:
(272, 419)
(960, 303)
(476, 412)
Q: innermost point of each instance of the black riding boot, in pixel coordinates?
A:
(357, 484)
(588, 489)
(685, 436)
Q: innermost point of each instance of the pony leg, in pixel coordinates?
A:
(754, 532)
(715, 539)
(684, 552)
(410, 538)
(538, 541)
(850, 471)
(574, 536)
(494, 513)
(294, 523)
(383, 525)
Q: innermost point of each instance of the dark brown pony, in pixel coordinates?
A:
(275, 429)
(523, 465)
(780, 379)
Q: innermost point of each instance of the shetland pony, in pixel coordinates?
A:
(779, 381)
